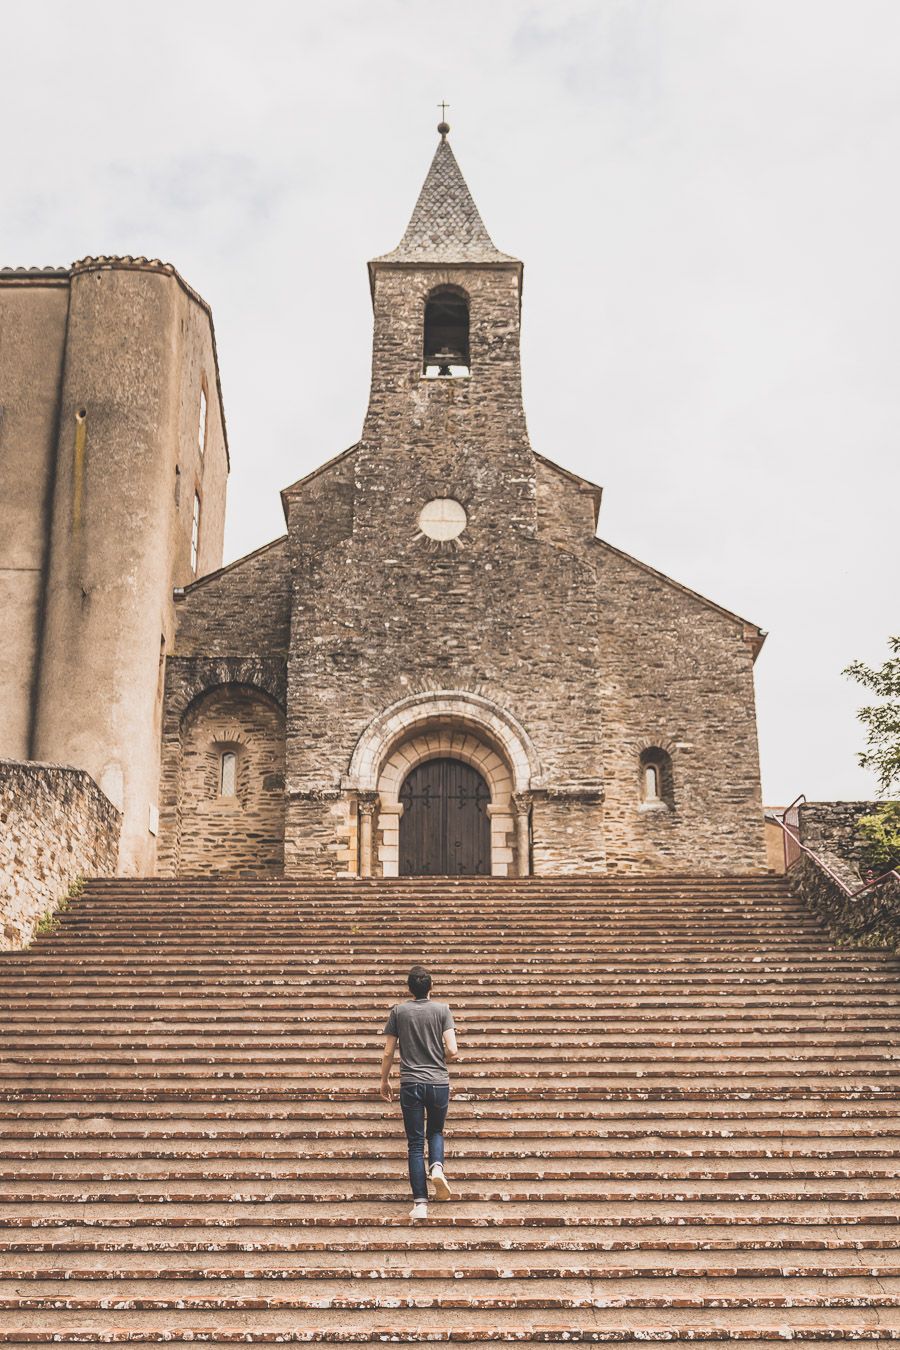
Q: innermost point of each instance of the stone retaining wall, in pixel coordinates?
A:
(871, 919)
(829, 829)
(55, 826)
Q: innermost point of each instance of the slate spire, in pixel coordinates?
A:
(445, 226)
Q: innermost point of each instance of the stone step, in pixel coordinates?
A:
(446, 1231)
(155, 1094)
(390, 1292)
(817, 1333)
(741, 1059)
(471, 1118)
(563, 970)
(514, 1025)
(677, 1117)
(487, 1042)
(442, 1265)
(387, 1146)
(699, 1337)
(149, 976)
(510, 1221)
(257, 1001)
(370, 1167)
(772, 1137)
(183, 1191)
(816, 1075)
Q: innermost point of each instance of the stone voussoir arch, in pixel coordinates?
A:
(461, 710)
(432, 724)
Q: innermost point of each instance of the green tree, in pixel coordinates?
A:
(881, 720)
(879, 836)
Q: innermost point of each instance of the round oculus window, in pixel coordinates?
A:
(442, 518)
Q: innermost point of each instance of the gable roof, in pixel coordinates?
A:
(592, 490)
(752, 634)
(300, 483)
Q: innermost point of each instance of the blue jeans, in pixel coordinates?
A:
(424, 1107)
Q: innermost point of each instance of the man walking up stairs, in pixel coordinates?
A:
(427, 1039)
(677, 1118)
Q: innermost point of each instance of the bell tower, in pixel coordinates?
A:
(445, 410)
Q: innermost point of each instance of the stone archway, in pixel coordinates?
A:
(443, 724)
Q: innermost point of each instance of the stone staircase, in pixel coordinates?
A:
(676, 1117)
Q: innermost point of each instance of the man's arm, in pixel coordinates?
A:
(387, 1059)
(451, 1050)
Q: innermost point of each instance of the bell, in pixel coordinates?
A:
(445, 358)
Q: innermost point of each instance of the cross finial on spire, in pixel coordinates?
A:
(443, 126)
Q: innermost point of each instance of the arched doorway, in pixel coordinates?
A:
(441, 724)
(445, 829)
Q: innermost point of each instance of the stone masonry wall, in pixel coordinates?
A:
(55, 826)
(193, 829)
(829, 829)
(595, 656)
(676, 675)
(242, 610)
(869, 919)
(243, 832)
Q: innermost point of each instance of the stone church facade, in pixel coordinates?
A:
(439, 668)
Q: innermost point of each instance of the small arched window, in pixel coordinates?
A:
(228, 774)
(201, 424)
(195, 534)
(657, 787)
(446, 337)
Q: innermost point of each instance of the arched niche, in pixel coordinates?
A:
(230, 813)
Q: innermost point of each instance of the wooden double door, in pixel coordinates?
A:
(445, 829)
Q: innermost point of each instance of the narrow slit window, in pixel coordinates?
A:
(201, 428)
(195, 534)
(651, 783)
(228, 774)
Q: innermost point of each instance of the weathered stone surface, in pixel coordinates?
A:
(545, 658)
(869, 916)
(830, 830)
(565, 672)
(55, 826)
(242, 610)
(213, 704)
(101, 371)
(674, 1118)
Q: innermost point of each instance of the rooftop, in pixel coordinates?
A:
(446, 226)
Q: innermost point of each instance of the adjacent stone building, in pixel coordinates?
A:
(439, 668)
(113, 465)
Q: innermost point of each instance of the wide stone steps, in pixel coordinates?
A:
(676, 1117)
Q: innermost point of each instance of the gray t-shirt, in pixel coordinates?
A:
(419, 1026)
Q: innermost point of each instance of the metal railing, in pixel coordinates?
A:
(794, 850)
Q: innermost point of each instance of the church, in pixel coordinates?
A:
(438, 669)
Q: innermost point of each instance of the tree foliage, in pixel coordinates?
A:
(882, 719)
(879, 835)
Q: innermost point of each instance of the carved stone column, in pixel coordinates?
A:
(366, 806)
(522, 802)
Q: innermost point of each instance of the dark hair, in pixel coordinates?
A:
(419, 982)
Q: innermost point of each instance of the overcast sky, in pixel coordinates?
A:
(704, 193)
